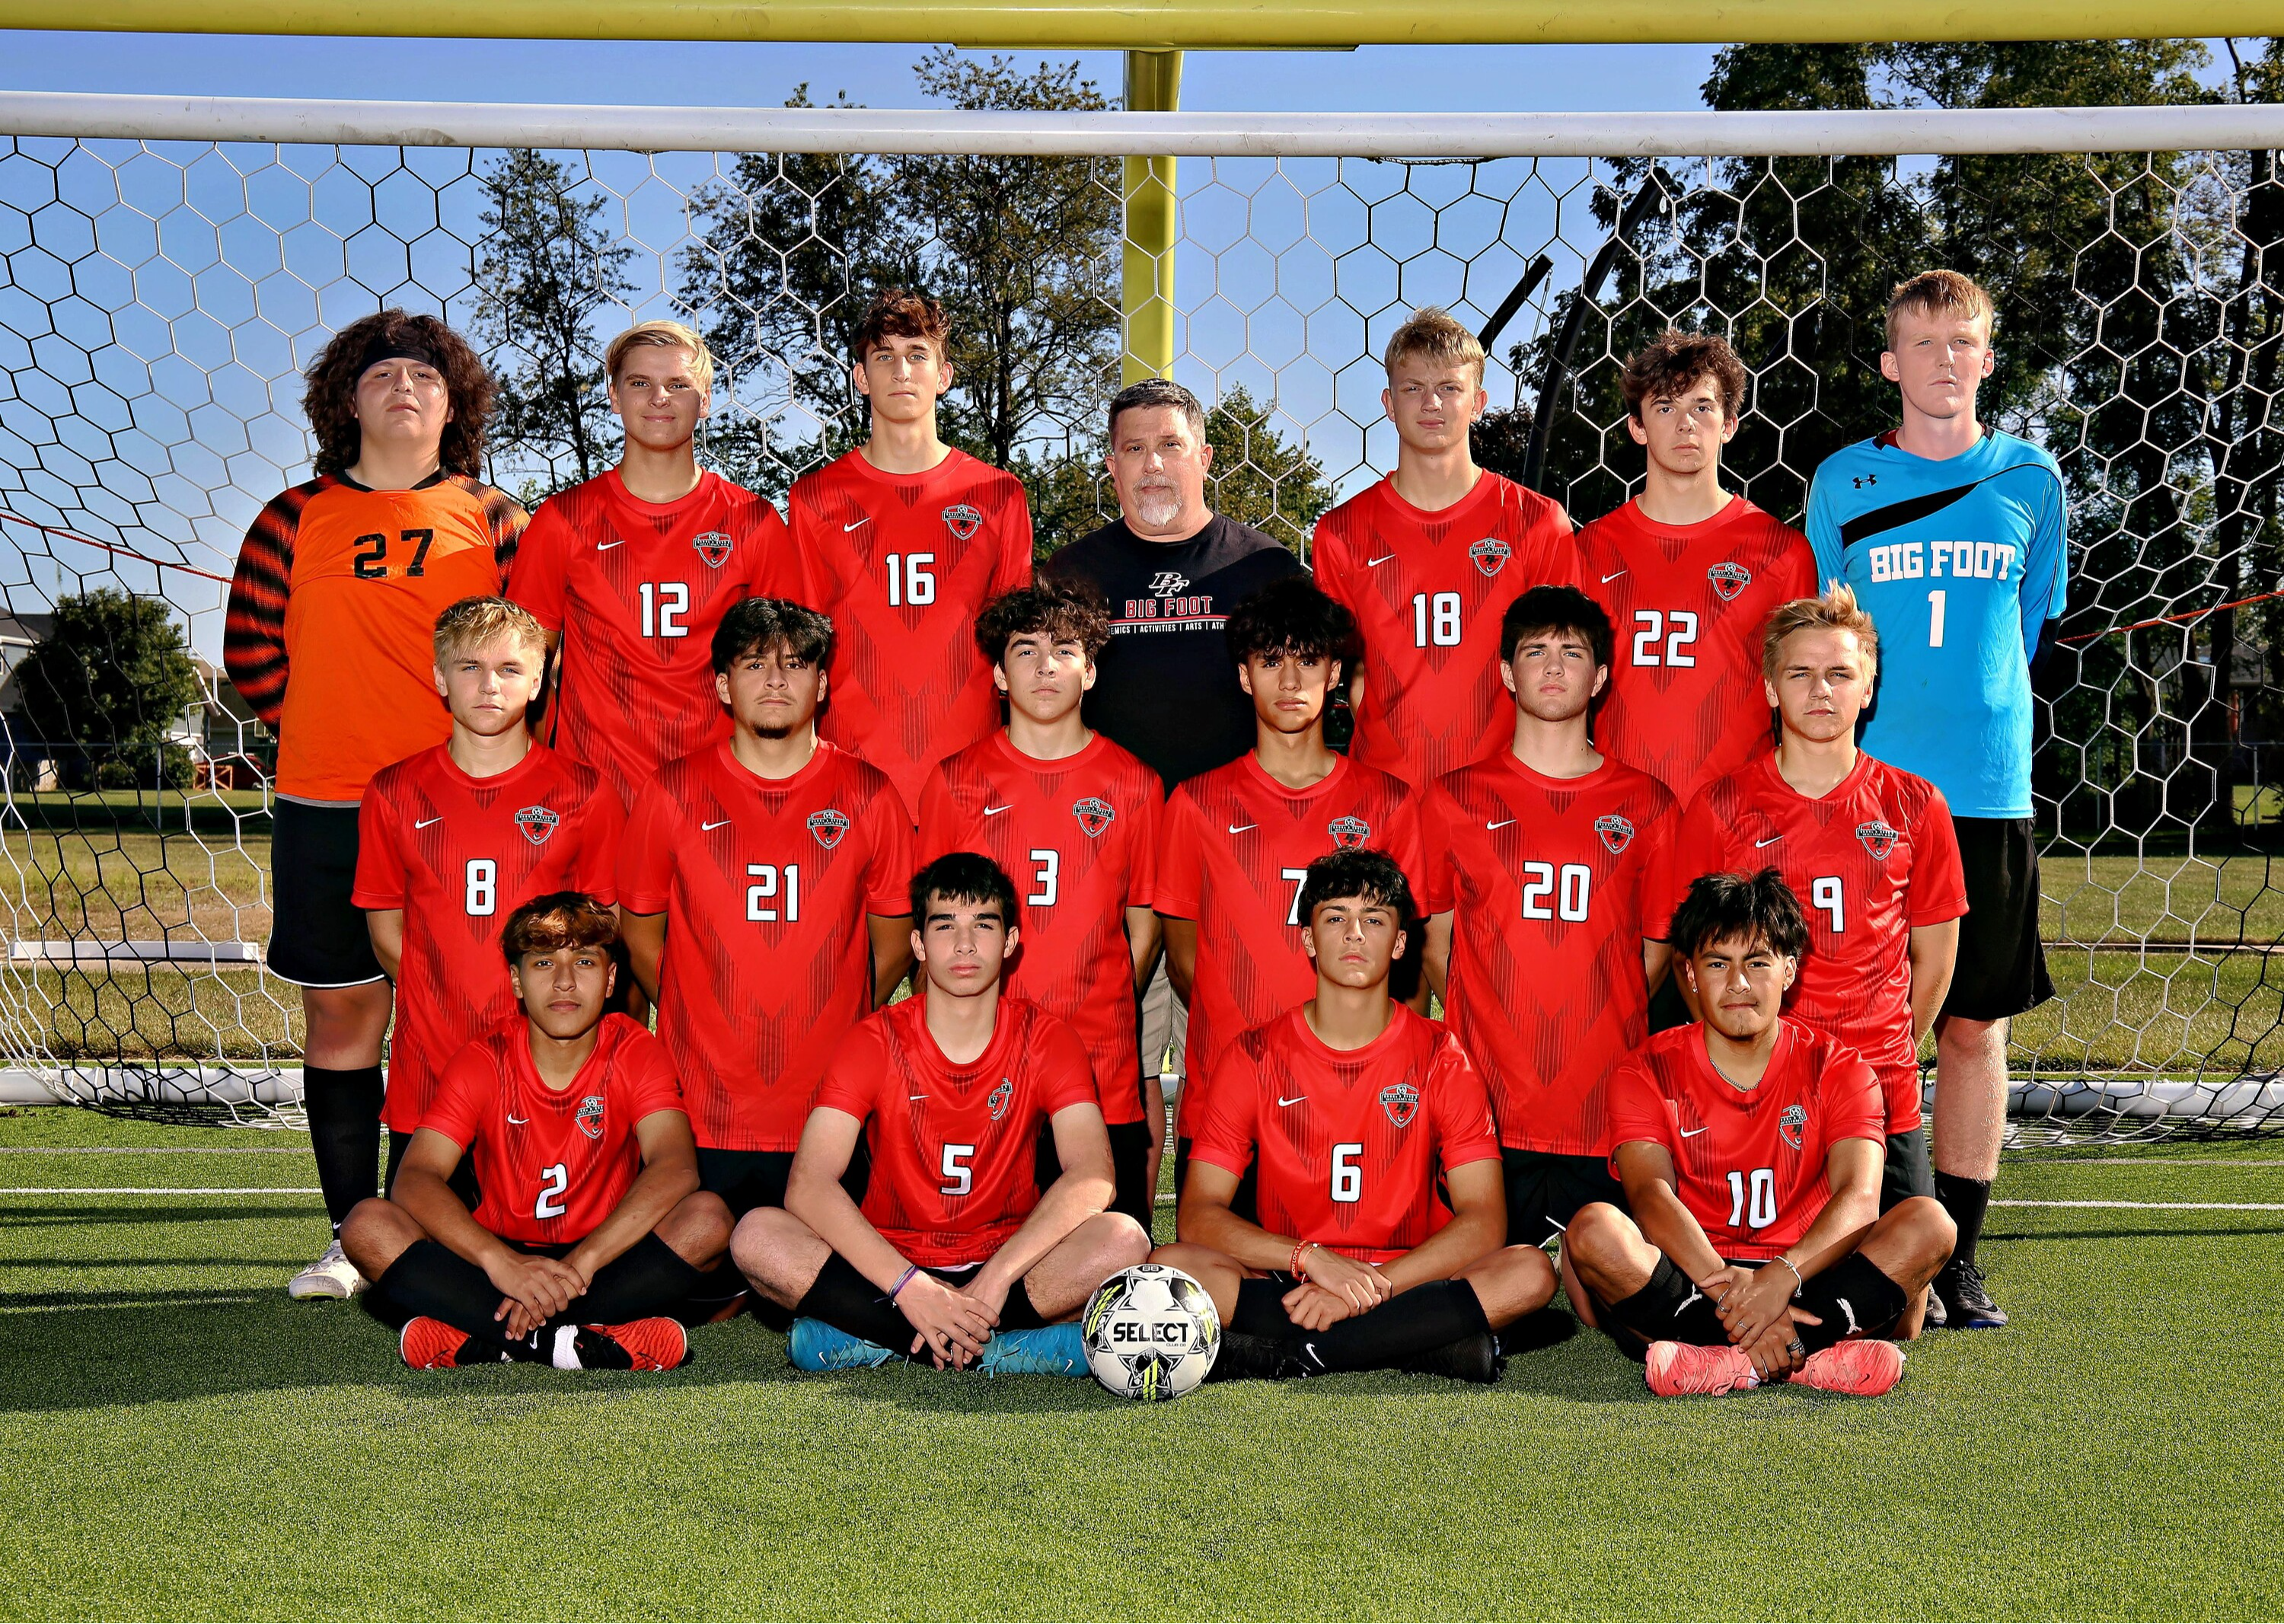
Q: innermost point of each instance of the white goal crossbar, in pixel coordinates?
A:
(1871, 132)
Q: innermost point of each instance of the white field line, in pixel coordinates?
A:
(167, 1150)
(162, 1189)
(2173, 1207)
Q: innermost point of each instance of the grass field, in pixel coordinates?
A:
(180, 1441)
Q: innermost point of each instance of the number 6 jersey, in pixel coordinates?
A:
(459, 855)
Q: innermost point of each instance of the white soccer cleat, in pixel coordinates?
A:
(332, 1275)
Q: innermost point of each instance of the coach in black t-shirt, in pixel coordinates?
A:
(1172, 570)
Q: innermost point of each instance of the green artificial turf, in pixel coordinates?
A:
(178, 1439)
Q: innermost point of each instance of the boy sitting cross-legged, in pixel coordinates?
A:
(592, 1231)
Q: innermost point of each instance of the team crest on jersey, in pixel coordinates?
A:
(591, 1116)
(1729, 580)
(828, 826)
(1617, 831)
(996, 1102)
(1401, 1101)
(1094, 815)
(1349, 833)
(962, 520)
(1792, 1125)
(1491, 555)
(714, 547)
(1877, 839)
(537, 823)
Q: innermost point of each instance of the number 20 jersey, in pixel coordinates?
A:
(1543, 878)
(1353, 1145)
(1871, 861)
(552, 1166)
(765, 884)
(1748, 1163)
(457, 855)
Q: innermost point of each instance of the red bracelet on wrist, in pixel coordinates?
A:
(1296, 1271)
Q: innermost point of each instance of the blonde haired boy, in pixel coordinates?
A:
(1428, 559)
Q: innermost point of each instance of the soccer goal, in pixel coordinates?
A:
(171, 265)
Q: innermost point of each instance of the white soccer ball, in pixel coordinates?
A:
(1151, 1333)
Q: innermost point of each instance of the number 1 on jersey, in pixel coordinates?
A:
(1935, 618)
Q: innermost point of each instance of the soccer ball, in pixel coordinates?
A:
(1151, 1333)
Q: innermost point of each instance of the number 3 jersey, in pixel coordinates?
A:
(1428, 591)
(1544, 878)
(1748, 1163)
(953, 1146)
(637, 589)
(1079, 836)
(1237, 845)
(552, 1165)
(765, 884)
(1353, 1145)
(904, 563)
(1871, 861)
(457, 855)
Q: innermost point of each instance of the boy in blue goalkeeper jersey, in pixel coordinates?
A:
(1954, 535)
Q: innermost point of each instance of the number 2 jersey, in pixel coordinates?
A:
(459, 855)
(765, 884)
(637, 589)
(1871, 861)
(954, 1147)
(1428, 591)
(1353, 1145)
(1237, 845)
(904, 563)
(1750, 1164)
(1544, 878)
(552, 1165)
(1079, 836)
(1688, 604)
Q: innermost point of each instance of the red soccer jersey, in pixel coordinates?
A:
(551, 1166)
(1352, 1144)
(1079, 836)
(954, 1147)
(1237, 845)
(1427, 591)
(459, 855)
(636, 588)
(904, 563)
(765, 884)
(1871, 861)
(1543, 879)
(1748, 1163)
(1689, 604)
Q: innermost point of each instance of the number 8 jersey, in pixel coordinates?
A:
(459, 855)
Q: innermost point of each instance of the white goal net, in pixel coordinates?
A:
(169, 268)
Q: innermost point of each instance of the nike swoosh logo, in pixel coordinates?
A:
(716, 824)
(519, 1121)
(606, 546)
(1608, 579)
(919, 1096)
(845, 529)
(1691, 1133)
(1241, 828)
(1296, 1100)
(1502, 823)
(1376, 563)
(1772, 840)
(996, 811)
(425, 822)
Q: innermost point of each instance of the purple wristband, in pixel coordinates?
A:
(903, 1280)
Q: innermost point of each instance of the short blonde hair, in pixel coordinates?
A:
(662, 335)
(1836, 611)
(1936, 293)
(478, 623)
(1435, 334)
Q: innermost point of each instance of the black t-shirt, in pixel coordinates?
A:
(1166, 688)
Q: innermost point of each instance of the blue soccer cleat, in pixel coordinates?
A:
(816, 1346)
(1051, 1350)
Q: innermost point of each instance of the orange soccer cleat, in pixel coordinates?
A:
(1677, 1369)
(430, 1344)
(656, 1344)
(1864, 1369)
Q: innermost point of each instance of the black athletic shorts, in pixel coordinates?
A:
(1545, 1190)
(1907, 1173)
(1129, 1166)
(1018, 1312)
(317, 936)
(1245, 1203)
(462, 1183)
(2001, 969)
(748, 1179)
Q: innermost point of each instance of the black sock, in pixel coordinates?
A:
(1671, 1308)
(647, 1278)
(1966, 1200)
(1426, 1316)
(847, 1302)
(430, 1278)
(344, 1112)
(1851, 1296)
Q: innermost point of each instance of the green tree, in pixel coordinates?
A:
(113, 675)
(1259, 477)
(549, 265)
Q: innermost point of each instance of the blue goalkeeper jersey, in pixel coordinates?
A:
(1959, 563)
